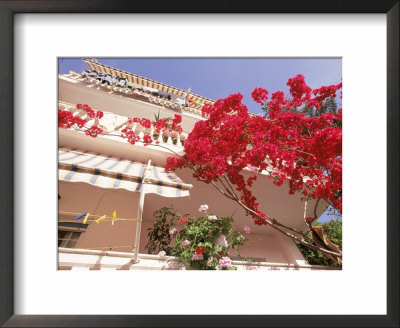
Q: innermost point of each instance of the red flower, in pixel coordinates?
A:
(177, 118)
(146, 123)
(200, 249)
(64, 119)
(147, 139)
(183, 219)
(260, 95)
(130, 135)
(89, 111)
(308, 219)
(173, 163)
(93, 131)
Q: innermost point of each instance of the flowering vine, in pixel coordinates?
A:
(84, 118)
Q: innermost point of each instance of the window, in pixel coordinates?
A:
(69, 233)
(68, 238)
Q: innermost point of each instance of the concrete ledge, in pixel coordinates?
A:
(87, 259)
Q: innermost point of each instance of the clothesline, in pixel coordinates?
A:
(96, 216)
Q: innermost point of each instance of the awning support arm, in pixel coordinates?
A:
(140, 214)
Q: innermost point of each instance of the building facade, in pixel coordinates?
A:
(109, 188)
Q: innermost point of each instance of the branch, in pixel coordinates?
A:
(291, 229)
(305, 243)
(222, 192)
(231, 192)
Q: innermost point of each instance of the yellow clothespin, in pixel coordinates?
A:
(114, 215)
(86, 217)
(101, 219)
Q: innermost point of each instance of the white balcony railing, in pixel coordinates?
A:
(112, 124)
(83, 259)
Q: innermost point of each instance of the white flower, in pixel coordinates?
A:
(203, 208)
(212, 217)
(162, 253)
(172, 231)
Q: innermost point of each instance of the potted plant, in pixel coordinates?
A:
(159, 236)
(202, 243)
(174, 137)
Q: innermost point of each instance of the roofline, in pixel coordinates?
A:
(137, 79)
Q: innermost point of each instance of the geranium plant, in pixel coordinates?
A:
(170, 126)
(204, 243)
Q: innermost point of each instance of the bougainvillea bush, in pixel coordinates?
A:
(290, 143)
(202, 243)
(299, 140)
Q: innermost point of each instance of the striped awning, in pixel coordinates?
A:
(144, 82)
(111, 172)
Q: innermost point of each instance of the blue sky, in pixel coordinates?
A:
(217, 78)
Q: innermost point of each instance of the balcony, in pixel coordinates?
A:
(112, 124)
(85, 260)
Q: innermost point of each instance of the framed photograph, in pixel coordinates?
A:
(90, 64)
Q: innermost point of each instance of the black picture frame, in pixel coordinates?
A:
(7, 11)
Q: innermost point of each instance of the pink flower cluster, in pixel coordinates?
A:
(197, 257)
(225, 262)
(247, 229)
(186, 243)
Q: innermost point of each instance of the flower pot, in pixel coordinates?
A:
(221, 240)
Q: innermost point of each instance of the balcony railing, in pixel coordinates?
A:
(112, 124)
(83, 259)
